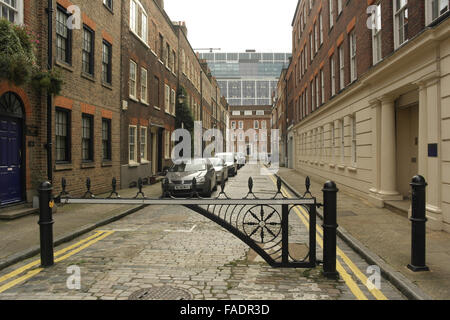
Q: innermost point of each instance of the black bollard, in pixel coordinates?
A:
(329, 229)
(46, 223)
(418, 221)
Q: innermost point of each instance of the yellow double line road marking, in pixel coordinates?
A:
(304, 217)
(79, 246)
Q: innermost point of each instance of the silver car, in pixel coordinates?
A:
(220, 168)
(230, 162)
(179, 178)
(240, 159)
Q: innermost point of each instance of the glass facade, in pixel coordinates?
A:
(247, 78)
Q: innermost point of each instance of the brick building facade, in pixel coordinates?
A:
(21, 114)
(148, 89)
(368, 98)
(250, 131)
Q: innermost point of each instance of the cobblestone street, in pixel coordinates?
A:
(180, 252)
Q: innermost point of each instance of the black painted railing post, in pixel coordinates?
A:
(46, 223)
(418, 220)
(329, 229)
(285, 234)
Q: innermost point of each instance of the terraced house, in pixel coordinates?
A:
(22, 156)
(148, 91)
(369, 99)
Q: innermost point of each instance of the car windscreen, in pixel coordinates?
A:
(216, 162)
(226, 157)
(189, 167)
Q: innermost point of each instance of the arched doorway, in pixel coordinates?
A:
(11, 148)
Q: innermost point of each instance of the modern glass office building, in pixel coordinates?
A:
(247, 78)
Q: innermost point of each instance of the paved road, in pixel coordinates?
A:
(172, 252)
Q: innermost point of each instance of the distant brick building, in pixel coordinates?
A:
(250, 131)
(368, 99)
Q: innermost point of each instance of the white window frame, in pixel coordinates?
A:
(398, 15)
(376, 36)
(317, 92)
(313, 98)
(333, 139)
(133, 81)
(321, 27)
(342, 123)
(136, 8)
(322, 86)
(353, 50)
(241, 125)
(132, 161)
(143, 144)
(263, 124)
(18, 11)
(167, 140)
(233, 125)
(442, 7)
(167, 98)
(340, 7)
(333, 75)
(341, 67)
(172, 101)
(256, 124)
(144, 85)
(331, 13)
(316, 36)
(354, 137)
(311, 46)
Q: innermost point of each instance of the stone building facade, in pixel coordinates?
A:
(370, 99)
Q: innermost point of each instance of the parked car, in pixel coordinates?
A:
(220, 168)
(179, 178)
(240, 159)
(230, 162)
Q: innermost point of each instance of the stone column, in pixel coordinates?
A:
(423, 131)
(376, 137)
(388, 159)
(433, 164)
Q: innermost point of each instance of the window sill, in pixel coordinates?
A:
(145, 162)
(352, 169)
(109, 9)
(332, 165)
(341, 167)
(87, 76)
(107, 163)
(133, 99)
(87, 165)
(160, 61)
(153, 52)
(140, 39)
(133, 165)
(145, 103)
(157, 108)
(63, 167)
(64, 65)
(107, 85)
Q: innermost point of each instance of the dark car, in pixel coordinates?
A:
(179, 178)
(230, 162)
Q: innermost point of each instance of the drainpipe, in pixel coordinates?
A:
(49, 96)
(286, 151)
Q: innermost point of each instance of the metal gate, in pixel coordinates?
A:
(261, 223)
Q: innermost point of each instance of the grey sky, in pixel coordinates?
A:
(236, 25)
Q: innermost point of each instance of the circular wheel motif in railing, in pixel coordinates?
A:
(262, 223)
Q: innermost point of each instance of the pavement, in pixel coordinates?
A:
(19, 238)
(170, 252)
(384, 237)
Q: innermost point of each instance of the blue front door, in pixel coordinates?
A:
(10, 160)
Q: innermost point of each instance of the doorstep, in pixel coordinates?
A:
(401, 207)
(17, 211)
